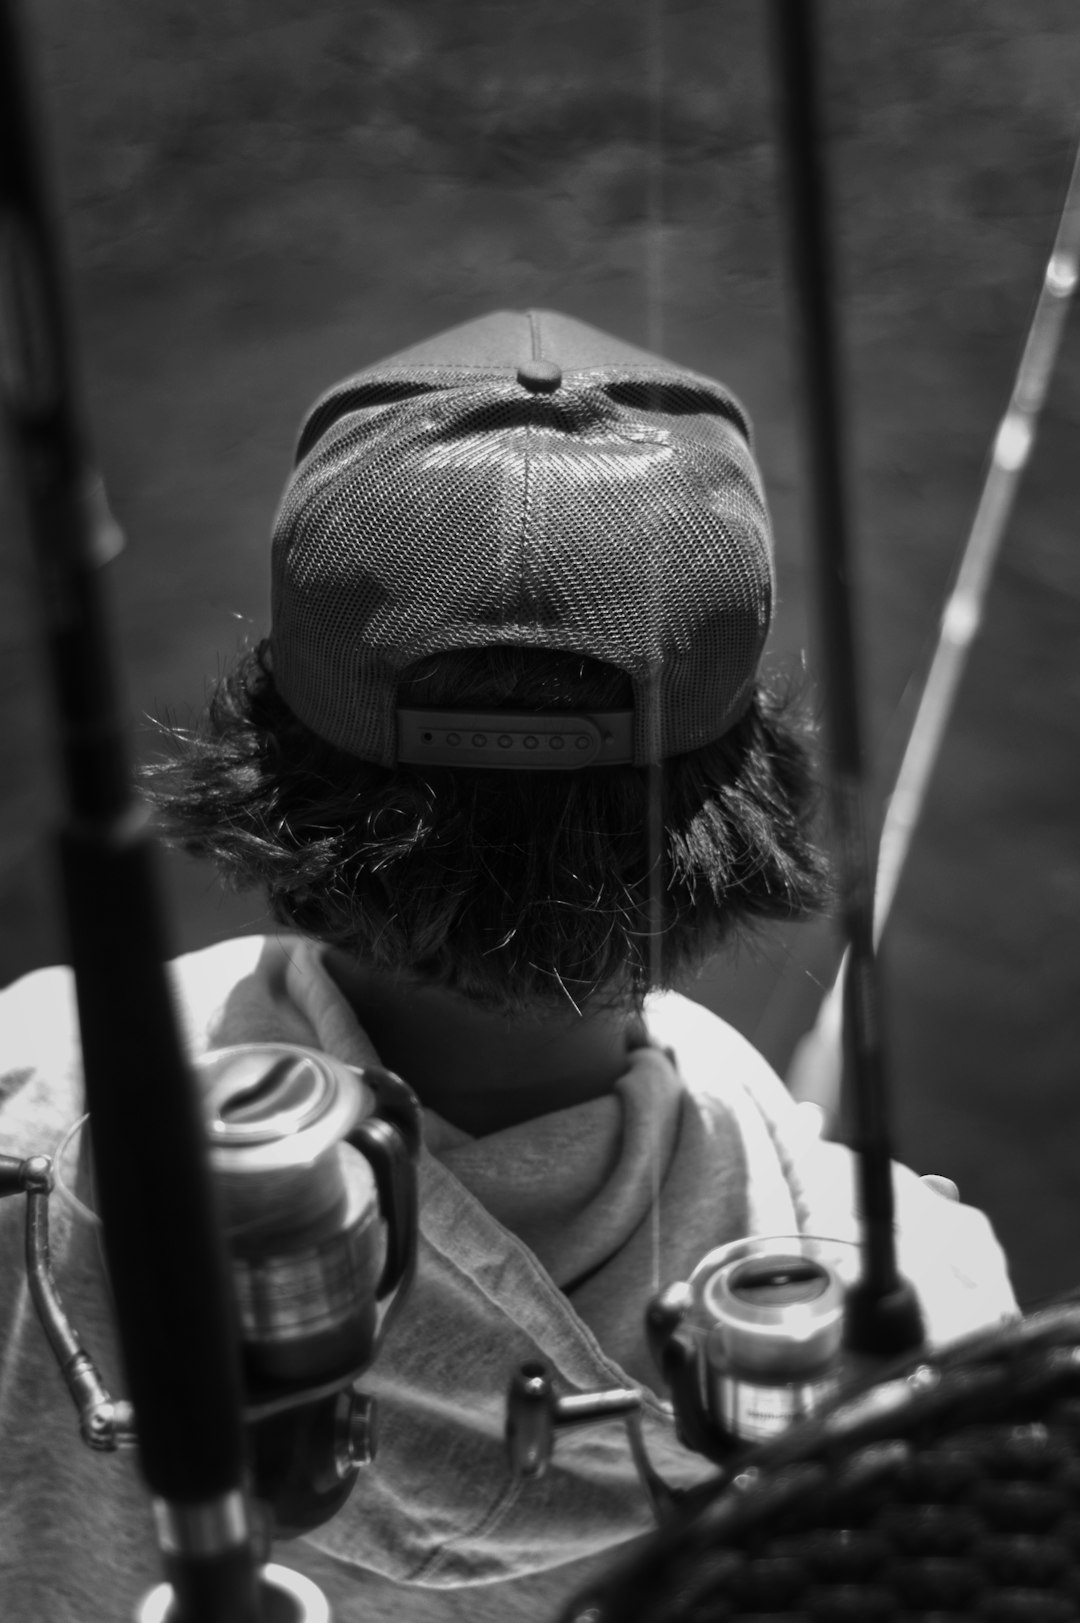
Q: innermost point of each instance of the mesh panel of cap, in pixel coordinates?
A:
(444, 507)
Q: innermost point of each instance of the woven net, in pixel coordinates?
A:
(952, 1493)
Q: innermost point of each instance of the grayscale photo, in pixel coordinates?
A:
(539, 880)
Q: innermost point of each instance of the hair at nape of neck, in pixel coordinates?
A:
(517, 890)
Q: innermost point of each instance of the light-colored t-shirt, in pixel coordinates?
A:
(541, 1241)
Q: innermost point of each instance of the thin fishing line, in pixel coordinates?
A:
(654, 330)
(816, 1076)
(654, 179)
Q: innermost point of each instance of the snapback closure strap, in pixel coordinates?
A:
(551, 741)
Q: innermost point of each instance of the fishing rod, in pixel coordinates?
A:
(241, 1357)
(165, 1254)
(882, 1308)
(940, 1482)
(814, 1073)
(768, 1329)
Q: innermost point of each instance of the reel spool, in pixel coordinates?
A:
(753, 1341)
(315, 1168)
(313, 1164)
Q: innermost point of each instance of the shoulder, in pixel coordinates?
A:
(205, 981)
(40, 1060)
(41, 1086)
(948, 1250)
(734, 1094)
(715, 1061)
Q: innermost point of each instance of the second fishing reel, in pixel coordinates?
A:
(751, 1344)
(754, 1340)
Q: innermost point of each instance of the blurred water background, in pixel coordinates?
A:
(261, 197)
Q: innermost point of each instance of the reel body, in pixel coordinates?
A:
(754, 1340)
(315, 1171)
(315, 1165)
(750, 1345)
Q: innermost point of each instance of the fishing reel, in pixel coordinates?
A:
(750, 1345)
(754, 1340)
(314, 1163)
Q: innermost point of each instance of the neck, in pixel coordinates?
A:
(483, 1071)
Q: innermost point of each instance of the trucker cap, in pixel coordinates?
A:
(522, 480)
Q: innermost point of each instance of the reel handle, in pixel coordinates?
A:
(535, 1412)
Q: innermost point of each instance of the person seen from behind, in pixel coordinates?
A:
(509, 773)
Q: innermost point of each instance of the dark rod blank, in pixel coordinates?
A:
(884, 1315)
(167, 1265)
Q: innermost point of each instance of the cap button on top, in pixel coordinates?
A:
(539, 377)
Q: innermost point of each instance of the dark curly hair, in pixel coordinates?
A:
(513, 888)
